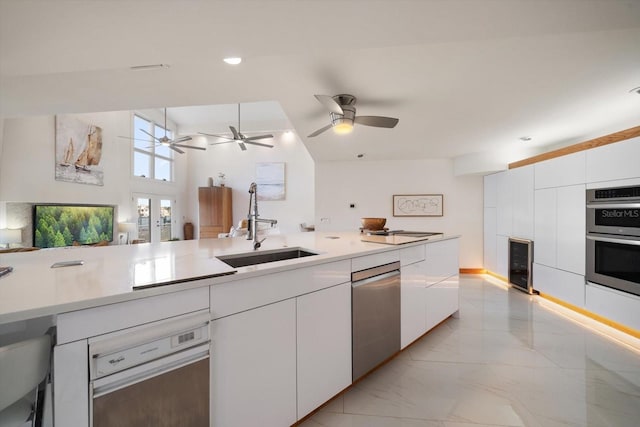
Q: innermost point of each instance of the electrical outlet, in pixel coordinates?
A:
(325, 220)
(352, 205)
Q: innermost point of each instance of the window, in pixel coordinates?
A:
(151, 160)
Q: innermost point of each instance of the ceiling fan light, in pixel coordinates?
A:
(343, 128)
(233, 60)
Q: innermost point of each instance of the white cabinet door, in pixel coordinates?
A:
(561, 171)
(442, 300)
(490, 248)
(253, 365)
(568, 287)
(412, 303)
(442, 260)
(545, 233)
(502, 267)
(504, 204)
(522, 187)
(490, 190)
(71, 384)
(571, 229)
(614, 161)
(324, 346)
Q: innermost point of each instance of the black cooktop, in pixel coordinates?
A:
(401, 233)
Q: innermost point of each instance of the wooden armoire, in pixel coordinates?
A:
(216, 215)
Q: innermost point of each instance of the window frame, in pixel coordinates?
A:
(153, 155)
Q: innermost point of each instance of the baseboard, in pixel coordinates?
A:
(473, 271)
(598, 318)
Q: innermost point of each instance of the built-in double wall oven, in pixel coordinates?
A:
(613, 238)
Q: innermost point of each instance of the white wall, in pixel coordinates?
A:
(239, 168)
(370, 185)
(27, 168)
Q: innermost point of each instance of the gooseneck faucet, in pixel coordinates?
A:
(252, 217)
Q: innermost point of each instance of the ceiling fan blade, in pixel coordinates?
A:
(329, 103)
(242, 146)
(258, 143)
(223, 142)
(235, 133)
(253, 138)
(157, 139)
(319, 131)
(216, 136)
(195, 147)
(173, 147)
(377, 121)
(182, 139)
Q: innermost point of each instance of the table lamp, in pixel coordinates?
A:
(128, 228)
(10, 236)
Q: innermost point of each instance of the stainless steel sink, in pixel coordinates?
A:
(253, 258)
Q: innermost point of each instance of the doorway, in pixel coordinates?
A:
(154, 217)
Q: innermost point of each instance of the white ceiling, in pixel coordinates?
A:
(462, 76)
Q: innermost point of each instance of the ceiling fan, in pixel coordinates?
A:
(173, 144)
(342, 112)
(239, 137)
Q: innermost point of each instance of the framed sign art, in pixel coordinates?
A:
(417, 205)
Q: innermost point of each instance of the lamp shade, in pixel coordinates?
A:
(127, 227)
(8, 235)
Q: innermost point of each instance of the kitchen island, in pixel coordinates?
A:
(280, 331)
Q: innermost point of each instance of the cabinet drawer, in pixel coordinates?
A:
(412, 255)
(240, 295)
(90, 322)
(368, 261)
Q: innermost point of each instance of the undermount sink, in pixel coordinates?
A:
(253, 258)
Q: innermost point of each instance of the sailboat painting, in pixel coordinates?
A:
(78, 151)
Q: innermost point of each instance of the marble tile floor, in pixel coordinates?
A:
(508, 360)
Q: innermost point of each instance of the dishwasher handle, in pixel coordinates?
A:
(375, 271)
(375, 278)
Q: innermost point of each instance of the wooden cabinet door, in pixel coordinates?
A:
(214, 210)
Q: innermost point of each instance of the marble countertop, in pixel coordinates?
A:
(110, 273)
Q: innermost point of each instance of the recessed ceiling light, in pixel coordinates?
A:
(525, 138)
(635, 90)
(233, 60)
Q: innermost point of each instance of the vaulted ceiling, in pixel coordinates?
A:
(462, 76)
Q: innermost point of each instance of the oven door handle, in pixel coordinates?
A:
(613, 205)
(634, 242)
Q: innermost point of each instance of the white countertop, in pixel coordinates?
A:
(109, 273)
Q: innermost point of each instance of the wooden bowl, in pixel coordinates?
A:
(373, 223)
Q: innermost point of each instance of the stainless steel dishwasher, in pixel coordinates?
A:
(375, 321)
(152, 375)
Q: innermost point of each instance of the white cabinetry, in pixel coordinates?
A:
(490, 222)
(560, 228)
(442, 292)
(413, 320)
(566, 286)
(614, 161)
(253, 363)
(323, 346)
(545, 226)
(442, 300)
(522, 199)
(442, 260)
(504, 204)
(429, 288)
(71, 384)
(490, 240)
(561, 171)
(571, 229)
